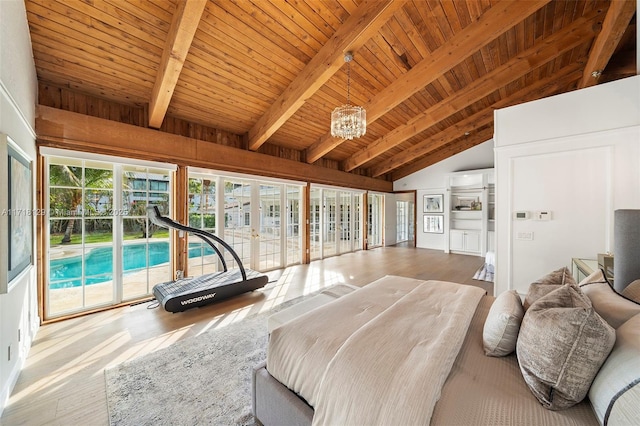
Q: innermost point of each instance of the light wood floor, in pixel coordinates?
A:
(63, 380)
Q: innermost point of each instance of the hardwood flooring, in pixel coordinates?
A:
(62, 382)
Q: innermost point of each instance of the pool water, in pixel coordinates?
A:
(98, 263)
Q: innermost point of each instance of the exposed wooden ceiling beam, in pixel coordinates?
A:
(553, 46)
(183, 28)
(500, 18)
(613, 27)
(542, 88)
(353, 34)
(74, 131)
(446, 151)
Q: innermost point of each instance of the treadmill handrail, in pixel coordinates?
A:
(154, 214)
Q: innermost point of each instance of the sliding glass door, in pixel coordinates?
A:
(101, 249)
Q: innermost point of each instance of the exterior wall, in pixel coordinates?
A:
(18, 309)
(576, 155)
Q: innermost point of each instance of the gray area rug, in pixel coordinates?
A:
(202, 380)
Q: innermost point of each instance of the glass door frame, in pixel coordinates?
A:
(117, 165)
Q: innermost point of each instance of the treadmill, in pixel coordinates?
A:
(186, 293)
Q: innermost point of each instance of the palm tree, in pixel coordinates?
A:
(68, 181)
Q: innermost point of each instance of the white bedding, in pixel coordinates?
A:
(392, 349)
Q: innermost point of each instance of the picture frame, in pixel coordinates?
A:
(433, 203)
(433, 223)
(16, 213)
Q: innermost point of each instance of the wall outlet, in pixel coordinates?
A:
(524, 235)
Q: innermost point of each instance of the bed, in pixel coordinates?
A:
(407, 351)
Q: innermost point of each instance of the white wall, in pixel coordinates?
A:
(18, 88)
(432, 180)
(576, 155)
(390, 220)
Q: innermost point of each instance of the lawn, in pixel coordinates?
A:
(102, 237)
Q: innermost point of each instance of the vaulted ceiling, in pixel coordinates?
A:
(429, 72)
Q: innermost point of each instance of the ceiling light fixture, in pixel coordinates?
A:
(348, 121)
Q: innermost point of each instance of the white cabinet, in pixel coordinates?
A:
(469, 212)
(464, 241)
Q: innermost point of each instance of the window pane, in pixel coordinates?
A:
(65, 175)
(98, 178)
(65, 202)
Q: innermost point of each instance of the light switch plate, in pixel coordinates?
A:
(524, 235)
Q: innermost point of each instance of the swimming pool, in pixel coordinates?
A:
(98, 263)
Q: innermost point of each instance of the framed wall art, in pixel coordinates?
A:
(16, 213)
(433, 223)
(433, 203)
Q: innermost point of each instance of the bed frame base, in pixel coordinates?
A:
(274, 404)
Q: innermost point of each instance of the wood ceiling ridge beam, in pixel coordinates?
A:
(542, 88)
(536, 56)
(497, 20)
(352, 35)
(613, 27)
(179, 39)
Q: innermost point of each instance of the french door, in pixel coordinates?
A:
(335, 220)
(101, 248)
(260, 220)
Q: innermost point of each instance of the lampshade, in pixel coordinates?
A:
(626, 248)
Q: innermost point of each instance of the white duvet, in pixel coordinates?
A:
(379, 355)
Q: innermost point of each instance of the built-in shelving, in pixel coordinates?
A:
(471, 212)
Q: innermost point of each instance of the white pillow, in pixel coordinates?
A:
(615, 392)
(611, 306)
(501, 327)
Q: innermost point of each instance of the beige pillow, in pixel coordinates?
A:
(632, 291)
(547, 284)
(611, 306)
(501, 327)
(615, 392)
(561, 346)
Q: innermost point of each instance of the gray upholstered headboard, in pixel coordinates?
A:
(626, 248)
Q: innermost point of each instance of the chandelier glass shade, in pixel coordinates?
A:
(348, 121)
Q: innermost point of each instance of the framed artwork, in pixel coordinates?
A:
(433, 203)
(16, 212)
(433, 223)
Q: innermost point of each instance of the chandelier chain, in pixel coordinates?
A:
(349, 83)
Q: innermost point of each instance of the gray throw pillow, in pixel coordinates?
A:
(500, 332)
(547, 284)
(561, 346)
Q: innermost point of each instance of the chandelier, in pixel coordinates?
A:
(348, 121)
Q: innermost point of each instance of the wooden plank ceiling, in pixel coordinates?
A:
(429, 72)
